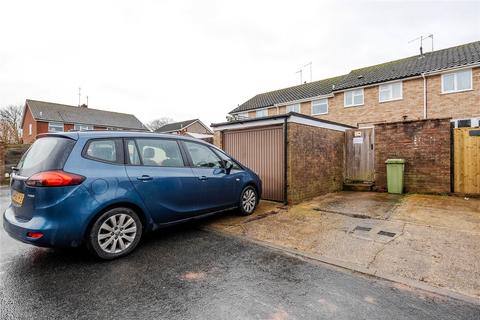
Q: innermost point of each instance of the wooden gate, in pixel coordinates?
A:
(466, 160)
(359, 155)
(262, 150)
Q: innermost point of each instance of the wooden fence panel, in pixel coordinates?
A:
(466, 163)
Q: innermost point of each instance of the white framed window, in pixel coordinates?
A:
(55, 127)
(242, 115)
(30, 129)
(353, 98)
(319, 107)
(457, 81)
(293, 108)
(82, 127)
(261, 113)
(390, 91)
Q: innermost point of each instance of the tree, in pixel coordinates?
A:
(158, 123)
(10, 124)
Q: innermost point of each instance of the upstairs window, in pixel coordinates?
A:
(293, 108)
(242, 115)
(55, 127)
(457, 81)
(390, 92)
(261, 113)
(320, 107)
(353, 98)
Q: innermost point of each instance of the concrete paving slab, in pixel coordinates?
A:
(427, 240)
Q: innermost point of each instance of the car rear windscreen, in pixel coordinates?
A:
(48, 153)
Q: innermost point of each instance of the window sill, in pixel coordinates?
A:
(391, 100)
(458, 91)
(354, 105)
(319, 114)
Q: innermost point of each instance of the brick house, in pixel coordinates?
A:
(194, 128)
(42, 117)
(438, 84)
(399, 109)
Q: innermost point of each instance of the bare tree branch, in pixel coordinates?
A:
(158, 123)
(10, 124)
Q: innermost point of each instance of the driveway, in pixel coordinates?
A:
(428, 241)
(186, 273)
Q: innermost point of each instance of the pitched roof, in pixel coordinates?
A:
(303, 91)
(175, 126)
(49, 111)
(458, 56)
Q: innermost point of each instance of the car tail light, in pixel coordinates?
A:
(34, 235)
(54, 179)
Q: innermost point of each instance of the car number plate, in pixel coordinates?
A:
(18, 197)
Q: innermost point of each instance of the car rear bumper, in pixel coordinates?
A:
(53, 233)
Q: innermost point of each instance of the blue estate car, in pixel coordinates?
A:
(104, 189)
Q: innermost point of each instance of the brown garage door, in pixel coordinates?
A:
(262, 150)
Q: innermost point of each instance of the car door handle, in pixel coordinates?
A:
(202, 178)
(144, 178)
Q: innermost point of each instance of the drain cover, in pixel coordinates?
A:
(386, 233)
(360, 228)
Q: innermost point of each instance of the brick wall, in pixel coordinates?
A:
(197, 128)
(315, 161)
(217, 139)
(454, 105)
(28, 120)
(424, 144)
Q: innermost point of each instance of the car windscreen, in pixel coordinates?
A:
(48, 153)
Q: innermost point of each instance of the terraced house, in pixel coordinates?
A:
(439, 84)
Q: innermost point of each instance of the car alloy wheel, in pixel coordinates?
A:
(249, 200)
(117, 233)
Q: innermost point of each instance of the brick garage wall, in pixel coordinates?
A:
(315, 161)
(424, 144)
(217, 139)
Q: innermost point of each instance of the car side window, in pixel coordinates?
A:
(226, 159)
(133, 157)
(202, 156)
(103, 150)
(160, 152)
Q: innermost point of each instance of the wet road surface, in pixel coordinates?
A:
(186, 273)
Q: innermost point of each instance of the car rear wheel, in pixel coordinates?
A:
(248, 201)
(115, 233)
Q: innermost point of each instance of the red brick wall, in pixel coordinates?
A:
(424, 144)
(42, 127)
(29, 138)
(315, 159)
(67, 127)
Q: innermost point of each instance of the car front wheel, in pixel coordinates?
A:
(115, 233)
(248, 201)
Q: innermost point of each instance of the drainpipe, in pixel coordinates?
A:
(424, 96)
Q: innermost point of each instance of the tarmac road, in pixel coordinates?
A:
(186, 273)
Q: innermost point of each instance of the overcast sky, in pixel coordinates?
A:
(200, 59)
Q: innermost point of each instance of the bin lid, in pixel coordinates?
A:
(395, 161)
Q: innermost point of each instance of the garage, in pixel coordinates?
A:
(296, 156)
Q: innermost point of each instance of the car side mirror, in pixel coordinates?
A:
(228, 166)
